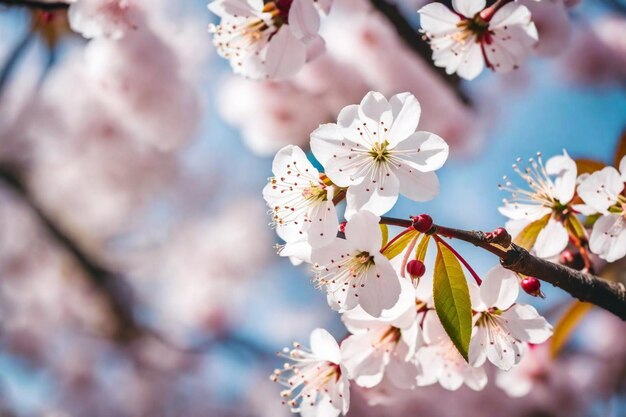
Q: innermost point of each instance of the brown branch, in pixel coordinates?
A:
(41, 5)
(586, 287)
(414, 41)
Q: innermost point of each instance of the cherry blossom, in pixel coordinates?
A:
(471, 37)
(501, 327)
(354, 272)
(374, 150)
(300, 201)
(441, 361)
(266, 39)
(546, 196)
(316, 381)
(602, 193)
(104, 18)
(385, 346)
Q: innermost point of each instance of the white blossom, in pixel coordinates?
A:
(266, 39)
(354, 272)
(300, 201)
(385, 346)
(471, 37)
(501, 327)
(374, 150)
(441, 361)
(316, 382)
(602, 193)
(546, 196)
(104, 18)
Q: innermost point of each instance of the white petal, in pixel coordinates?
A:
(600, 189)
(373, 109)
(323, 224)
(363, 231)
(348, 116)
(382, 288)
(622, 168)
(526, 324)
(325, 140)
(324, 346)
(499, 288)
(530, 212)
(286, 54)
(285, 158)
(229, 8)
(304, 20)
(468, 8)
(500, 350)
(406, 115)
(551, 240)
(478, 346)
(423, 151)
(418, 186)
(437, 19)
(565, 170)
(608, 237)
(471, 62)
(376, 194)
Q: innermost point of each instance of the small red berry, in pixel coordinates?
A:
(422, 223)
(415, 268)
(532, 286)
(342, 227)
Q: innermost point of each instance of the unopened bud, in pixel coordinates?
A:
(415, 268)
(532, 286)
(499, 236)
(342, 227)
(422, 223)
(572, 259)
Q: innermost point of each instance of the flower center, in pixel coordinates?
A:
(316, 192)
(379, 151)
(468, 28)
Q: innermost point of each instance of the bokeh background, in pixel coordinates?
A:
(138, 274)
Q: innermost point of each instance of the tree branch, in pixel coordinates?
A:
(586, 287)
(415, 42)
(36, 4)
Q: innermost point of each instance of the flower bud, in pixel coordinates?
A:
(422, 223)
(342, 227)
(572, 259)
(415, 268)
(532, 286)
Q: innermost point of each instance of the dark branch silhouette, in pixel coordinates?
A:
(586, 287)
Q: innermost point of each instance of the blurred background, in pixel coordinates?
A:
(138, 274)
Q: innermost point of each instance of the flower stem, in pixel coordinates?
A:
(438, 239)
(398, 236)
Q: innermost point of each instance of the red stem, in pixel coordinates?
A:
(398, 236)
(460, 258)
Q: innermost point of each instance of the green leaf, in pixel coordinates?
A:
(452, 299)
(528, 236)
(587, 166)
(422, 248)
(566, 325)
(575, 227)
(396, 247)
(385, 232)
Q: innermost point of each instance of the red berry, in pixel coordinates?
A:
(532, 286)
(415, 268)
(342, 227)
(422, 223)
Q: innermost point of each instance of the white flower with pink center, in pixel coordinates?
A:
(271, 39)
(354, 272)
(385, 346)
(471, 37)
(374, 150)
(301, 202)
(551, 189)
(441, 361)
(315, 380)
(501, 327)
(602, 192)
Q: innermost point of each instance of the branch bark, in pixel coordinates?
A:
(586, 287)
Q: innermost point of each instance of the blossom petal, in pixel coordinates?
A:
(363, 231)
(499, 288)
(531, 212)
(565, 170)
(376, 194)
(468, 8)
(437, 19)
(382, 287)
(608, 237)
(406, 115)
(286, 54)
(418, 186)
(600, 189)
(324, 346)
(551, 240)
(304, 20)
(323, 224)
(374, 109)
(525, 324)
(423, 151)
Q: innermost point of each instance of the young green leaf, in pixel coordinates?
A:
(528, 236)
(575, 227)
(422, 248)
(452, 299)
(397, 246)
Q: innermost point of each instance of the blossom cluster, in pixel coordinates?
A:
(544, 216)
(386, 294)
